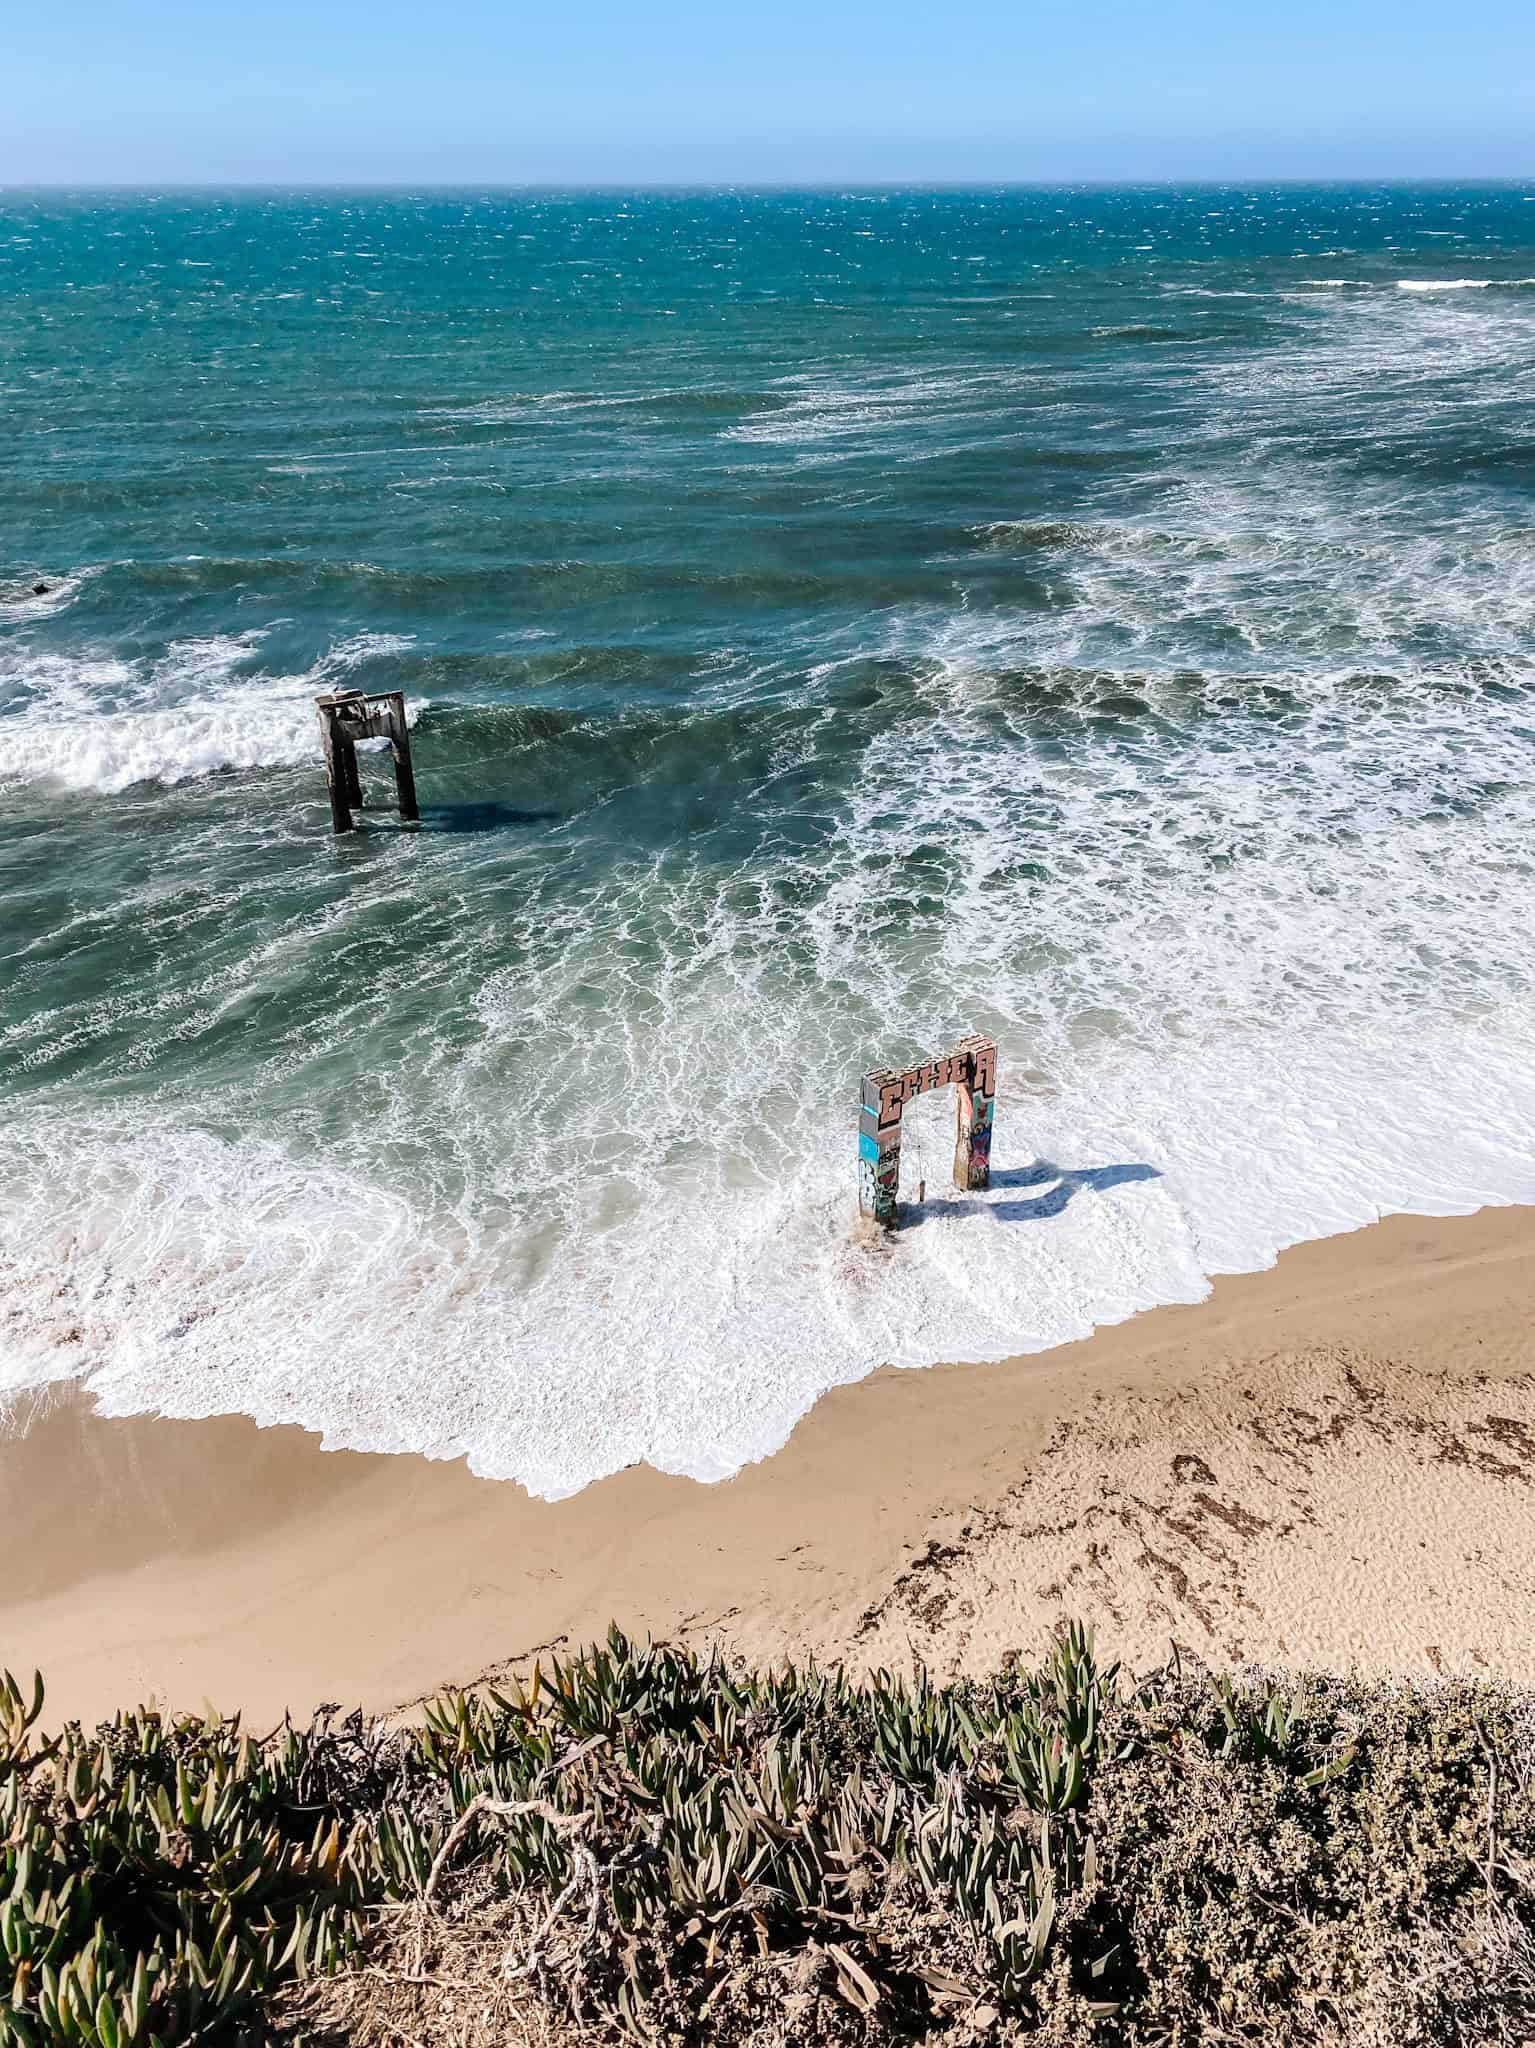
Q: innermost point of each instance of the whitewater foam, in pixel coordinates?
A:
(103, 723)
(177, 1277)
(1462, 284)
(832, 415)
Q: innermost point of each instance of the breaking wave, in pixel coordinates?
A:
(105, 723)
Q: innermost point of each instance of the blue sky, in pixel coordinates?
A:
(798, 91)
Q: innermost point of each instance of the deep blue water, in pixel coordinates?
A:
(832, 622)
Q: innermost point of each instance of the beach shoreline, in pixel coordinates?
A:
(1324, 1464)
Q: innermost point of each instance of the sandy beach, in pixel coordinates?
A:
(1328, 1464)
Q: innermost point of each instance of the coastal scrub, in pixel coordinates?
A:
(641, 1845)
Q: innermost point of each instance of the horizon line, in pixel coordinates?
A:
(876, 184)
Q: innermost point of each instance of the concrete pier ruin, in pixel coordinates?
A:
(347, 716)
(971, 1070)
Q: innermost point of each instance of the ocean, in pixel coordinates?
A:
(830, 623)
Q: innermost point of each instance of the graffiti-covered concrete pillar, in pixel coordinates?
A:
(977, 1094)
(879, 1145)
(972, 1071)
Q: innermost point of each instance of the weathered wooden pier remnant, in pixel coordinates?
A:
(971, 1069)
(347, 716)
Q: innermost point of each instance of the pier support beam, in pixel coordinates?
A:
(879, 1148)
(971, 1070)
(977, 1093)
(340, 771)
(347, 716)
(399, 749)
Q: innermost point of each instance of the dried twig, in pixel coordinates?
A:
(1492, 1825)
(1490, 1870)
(384, 1976)
(591, 1873)
(503, 1809)
(587, 1872)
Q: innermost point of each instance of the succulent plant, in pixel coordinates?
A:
(651, 1817)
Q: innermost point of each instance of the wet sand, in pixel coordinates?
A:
(1328, 1463)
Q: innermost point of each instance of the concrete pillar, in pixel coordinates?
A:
(879, 1146)
(339, 778)
(977, 1092)
(399, 748)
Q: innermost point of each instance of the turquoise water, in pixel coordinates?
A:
(830, 623)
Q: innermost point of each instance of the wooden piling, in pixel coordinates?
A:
(347, 749)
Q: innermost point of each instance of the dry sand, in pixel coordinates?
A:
(1328, 1463)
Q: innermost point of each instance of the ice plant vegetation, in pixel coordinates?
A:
(642, 1845)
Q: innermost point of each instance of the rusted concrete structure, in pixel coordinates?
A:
(347, 716)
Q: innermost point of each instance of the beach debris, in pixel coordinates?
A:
(347, 716)
(971, 1070)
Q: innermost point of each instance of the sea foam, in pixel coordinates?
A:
(104, 723)
(195, 1278)
(1462, 284)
